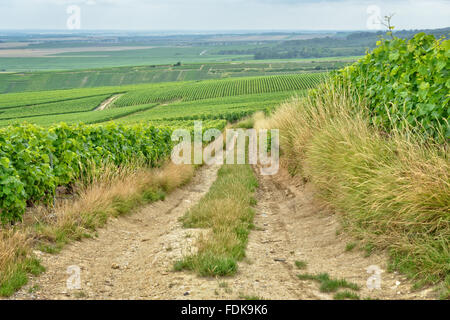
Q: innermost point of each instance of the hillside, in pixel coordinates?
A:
(356, 206)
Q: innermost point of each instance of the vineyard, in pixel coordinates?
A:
(222, 88)
(89, 117)
(35, 161)
(52, 108)
(228, 108)
(418, 75)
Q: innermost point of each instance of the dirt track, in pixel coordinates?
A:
(105, 104)
(132, 257)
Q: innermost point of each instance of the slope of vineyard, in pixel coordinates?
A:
(87, 117)
(216, 99)
(10, 100)
(38, 154)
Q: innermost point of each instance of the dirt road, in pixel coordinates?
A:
(132, 258)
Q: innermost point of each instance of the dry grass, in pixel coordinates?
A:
(392, 190)
(108, 192)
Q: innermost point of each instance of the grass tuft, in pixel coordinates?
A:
(17, 276)
(226, 211)
(350, 246)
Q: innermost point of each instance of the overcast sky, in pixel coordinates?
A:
(222, 14)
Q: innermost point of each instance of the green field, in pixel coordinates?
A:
(220, 88)
(224, 99)
(46, 135)
(228, 108)
(89, 135)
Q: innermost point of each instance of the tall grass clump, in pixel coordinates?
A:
(392, 189)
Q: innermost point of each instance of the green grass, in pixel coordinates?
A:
(226, 211)
(444, 289)
(328, 284)
(369, 248)
(34, 288)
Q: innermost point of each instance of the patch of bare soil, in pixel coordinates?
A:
(133, 256)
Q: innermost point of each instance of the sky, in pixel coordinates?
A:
(214, 15)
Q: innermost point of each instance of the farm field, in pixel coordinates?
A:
(123, 76)
(41, 53)
(100, 58)
(229, 108)
(65, 115)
